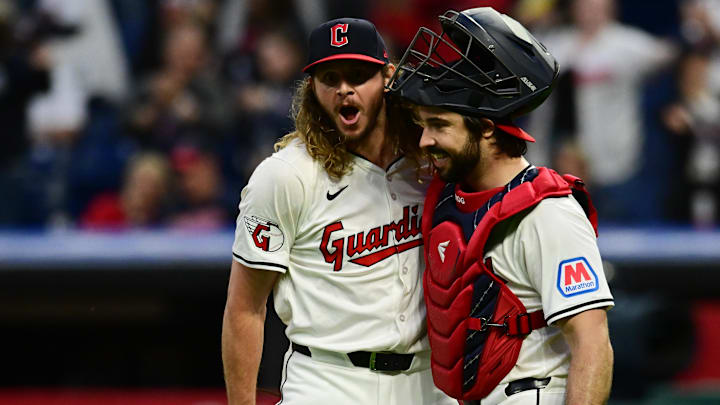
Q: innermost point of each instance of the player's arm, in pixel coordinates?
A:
(242, 331)
(591, 357)
(574, 292)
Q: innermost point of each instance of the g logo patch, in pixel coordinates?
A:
(266, 234)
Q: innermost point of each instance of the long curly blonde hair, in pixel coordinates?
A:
(326, 145)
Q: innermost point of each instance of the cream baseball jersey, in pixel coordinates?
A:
(350, 251)
(551, 261)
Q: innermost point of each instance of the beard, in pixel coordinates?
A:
(460, 164)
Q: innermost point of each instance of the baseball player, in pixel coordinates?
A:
(331, 224)
(515, 291)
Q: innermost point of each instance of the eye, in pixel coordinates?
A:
(360, 75)
(436, 124)
(329, 78)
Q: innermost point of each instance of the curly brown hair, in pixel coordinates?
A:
(325, 144)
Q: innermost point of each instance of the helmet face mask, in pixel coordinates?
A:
(482, 64)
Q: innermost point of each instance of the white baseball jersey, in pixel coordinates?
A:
(551, 261)
(350, 251)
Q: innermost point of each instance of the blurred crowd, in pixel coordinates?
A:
(120, 114)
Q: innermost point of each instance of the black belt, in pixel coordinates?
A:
(526, 384)
(373, 360)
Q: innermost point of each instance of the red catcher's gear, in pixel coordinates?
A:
(476, 325)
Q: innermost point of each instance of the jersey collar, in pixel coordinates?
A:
(472, 201)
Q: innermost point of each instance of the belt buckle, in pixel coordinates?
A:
(371, 366)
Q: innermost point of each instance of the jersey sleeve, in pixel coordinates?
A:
(562, 259)
(270, 205)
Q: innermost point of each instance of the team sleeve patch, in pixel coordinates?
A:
(266, 235)
(576, 276)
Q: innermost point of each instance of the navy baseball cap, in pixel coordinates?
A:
(346, 38)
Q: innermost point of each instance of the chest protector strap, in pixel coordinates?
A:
(476, 325)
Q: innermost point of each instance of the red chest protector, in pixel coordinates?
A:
(476, 325)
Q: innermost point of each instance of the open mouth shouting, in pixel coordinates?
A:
(349, 115)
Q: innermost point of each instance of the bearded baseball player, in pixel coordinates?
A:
(515, 291)
(330, 223)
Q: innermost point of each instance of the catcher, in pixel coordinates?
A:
(515, 291)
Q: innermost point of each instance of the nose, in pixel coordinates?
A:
(426, 139)
(345, 89)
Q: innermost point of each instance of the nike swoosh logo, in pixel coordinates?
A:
(331, 197)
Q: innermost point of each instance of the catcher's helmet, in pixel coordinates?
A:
(483, 63)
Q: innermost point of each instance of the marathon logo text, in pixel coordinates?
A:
(376, 240)
(576, 276)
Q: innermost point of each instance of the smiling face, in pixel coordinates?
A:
(351, 93)
(453, 150)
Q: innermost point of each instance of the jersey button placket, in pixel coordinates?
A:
(403, 269)
(403, 276)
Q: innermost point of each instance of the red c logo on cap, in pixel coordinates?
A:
(335, 39)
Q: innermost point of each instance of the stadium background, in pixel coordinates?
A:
(130, 126)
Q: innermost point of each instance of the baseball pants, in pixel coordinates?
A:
(552, 394)
(329, 378)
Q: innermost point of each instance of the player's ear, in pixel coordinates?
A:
(488, 128)
(387, 71)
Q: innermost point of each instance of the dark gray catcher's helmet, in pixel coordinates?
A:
(483, 63)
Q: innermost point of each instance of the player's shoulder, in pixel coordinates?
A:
(294, 154)
(292, 160)
(555, 211)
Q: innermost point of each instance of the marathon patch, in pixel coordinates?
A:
(266, 234)
(576, 276)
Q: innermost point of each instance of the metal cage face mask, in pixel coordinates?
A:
(455, 59)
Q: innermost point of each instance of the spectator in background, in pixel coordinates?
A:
(263, 83)
(81, 52)
(700, 29)
(241, 22)
(142, 202)
(24, 63)
(604, 64)
(199, 202)
(181, 12)
(184, 98)
(695, 118)
(88, 64)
